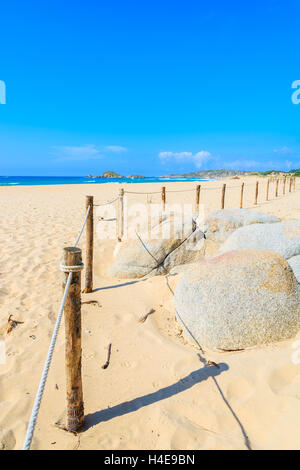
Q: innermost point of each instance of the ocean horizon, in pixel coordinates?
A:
(55, 180)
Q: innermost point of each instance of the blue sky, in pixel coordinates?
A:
(152, 87)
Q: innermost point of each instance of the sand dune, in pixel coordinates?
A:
(156, 392)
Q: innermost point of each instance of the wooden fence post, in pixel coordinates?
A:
(267, 193)
(198, 188)
(290, 186)
(72, 312)
(223, 196)
(149, 222)
(89, 245)
(276, 193)
(163, 198)
(242, 194)
(121, 215)
(160, 219)
(256, 193)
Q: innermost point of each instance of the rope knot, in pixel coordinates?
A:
(71, 269)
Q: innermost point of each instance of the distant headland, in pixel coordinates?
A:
(205, 174)
(222, 173)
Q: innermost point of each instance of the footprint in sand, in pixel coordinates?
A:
(239, 390)
(7, 440)
(286, 380)
(129, 365)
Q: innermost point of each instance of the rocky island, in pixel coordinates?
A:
(112, 174)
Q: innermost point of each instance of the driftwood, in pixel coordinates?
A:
(11, 324)
(105, 366)
(143, 318)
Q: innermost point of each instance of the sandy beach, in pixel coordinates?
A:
(156, 392)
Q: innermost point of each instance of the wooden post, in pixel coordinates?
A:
(160, 219)
(223, 196)
(256, 194)
(72, 312)
(182, 221)
(149, 222)
(163, 198)
(267, 194)
(172, 228)
(89, 246)
(121, 215)
(198, 188)
(242, 194)
(284, 181)
(290, 186)
(276, 193)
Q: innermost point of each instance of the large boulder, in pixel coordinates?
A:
(222, 223)
(176, 240)
(239, 299)
(284, 238)
(294, 263)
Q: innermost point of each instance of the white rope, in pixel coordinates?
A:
(71, 269)
(83, 225)
(39, 395)
(106, 203)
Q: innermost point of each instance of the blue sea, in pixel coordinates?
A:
(51, 180)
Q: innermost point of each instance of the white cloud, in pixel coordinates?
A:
(80, 152)
(197, 158)
(84, 152)
(283, 151)
(116, 148)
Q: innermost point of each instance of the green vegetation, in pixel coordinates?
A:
(222, 173)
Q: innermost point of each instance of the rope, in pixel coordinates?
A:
(180, 190)
(146, 194)
(83, 225)
(106, 203)
(71, 269)
(159, 192)
(39, 395)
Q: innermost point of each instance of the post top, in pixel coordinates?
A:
(72, 249)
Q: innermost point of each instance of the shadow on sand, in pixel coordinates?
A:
(117, 285)
(140, 402)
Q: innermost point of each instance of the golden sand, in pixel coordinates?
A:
(156, 392)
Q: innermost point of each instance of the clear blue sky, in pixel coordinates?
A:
(148, 87)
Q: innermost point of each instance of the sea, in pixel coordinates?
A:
(53, 180)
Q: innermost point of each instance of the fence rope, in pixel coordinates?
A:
(83, 225)
(39, 395)
(180, 190)
(145, 194)
(106, 203)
